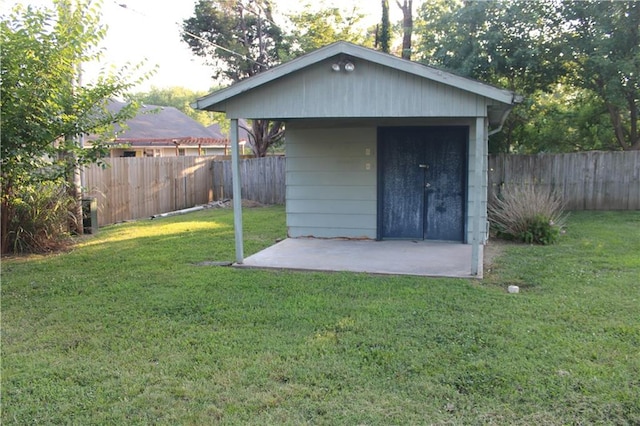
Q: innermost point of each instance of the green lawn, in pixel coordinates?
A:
(128, 329)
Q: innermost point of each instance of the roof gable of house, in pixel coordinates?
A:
(160, 127)
(162, 122)
(381, 85)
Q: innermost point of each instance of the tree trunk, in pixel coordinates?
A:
(75, 191)
(628, 139)
(263, 135)
(407, 27)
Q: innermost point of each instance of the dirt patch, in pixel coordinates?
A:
(492, 250)
(213, 263)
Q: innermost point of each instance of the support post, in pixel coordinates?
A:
(237, 189)
(478, 181)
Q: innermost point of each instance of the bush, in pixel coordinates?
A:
(526, 214)
(40, 221)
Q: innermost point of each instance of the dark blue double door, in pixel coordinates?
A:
(422, 182)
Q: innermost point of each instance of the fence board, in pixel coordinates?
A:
(134, 188)
(585, 180)
(261, 179)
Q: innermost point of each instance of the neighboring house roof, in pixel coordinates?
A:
(163, 126)
(215, 129)
(500, 100)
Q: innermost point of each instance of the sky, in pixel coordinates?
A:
(149, 31)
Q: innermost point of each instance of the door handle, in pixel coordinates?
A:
(428, 185)
(424, 166)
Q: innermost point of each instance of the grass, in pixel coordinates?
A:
(127, 329)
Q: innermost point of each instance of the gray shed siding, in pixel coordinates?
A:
(332, 194)
(372, 90)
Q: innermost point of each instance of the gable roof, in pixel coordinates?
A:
(215, 100)
(160, 127)
(215, 129)
(161, 122)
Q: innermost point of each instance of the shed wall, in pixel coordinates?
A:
(372, 90)
(331, 182)
(332, 193)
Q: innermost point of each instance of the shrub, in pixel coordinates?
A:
(526, 214)
(40, 221)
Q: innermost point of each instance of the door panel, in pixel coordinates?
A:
(445, 184)
(403, 212)
(422, 182)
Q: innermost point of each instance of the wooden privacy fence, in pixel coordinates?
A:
(585, 180)
(262, 179)
(134, 188)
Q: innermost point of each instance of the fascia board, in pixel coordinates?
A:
(344, 48)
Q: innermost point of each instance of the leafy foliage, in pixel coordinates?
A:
(585, 53)
(384, 33)
(42, 107)
(567, 120)
(239, 39)
(316, 27)
(527, 214)
(180, 98)
(510, 43)
(603, 42)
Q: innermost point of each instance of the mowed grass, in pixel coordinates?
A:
(128, 329)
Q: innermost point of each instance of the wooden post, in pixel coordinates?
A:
(237, 190)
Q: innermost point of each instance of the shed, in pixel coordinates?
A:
(377, 147)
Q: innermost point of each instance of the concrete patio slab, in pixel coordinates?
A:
(397, 257)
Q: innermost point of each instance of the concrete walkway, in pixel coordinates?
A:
(423, 258)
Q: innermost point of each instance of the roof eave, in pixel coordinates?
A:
(215, 101)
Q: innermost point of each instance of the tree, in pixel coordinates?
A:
(315, 28)
(603, 41)
(384, 33)
(568, 119)
(407, 26)
(513, 44)
(240, 39)
(430, 23)
(42, 108)
(577, 50)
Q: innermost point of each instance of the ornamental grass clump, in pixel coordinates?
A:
(526, 214)
(40, 219)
